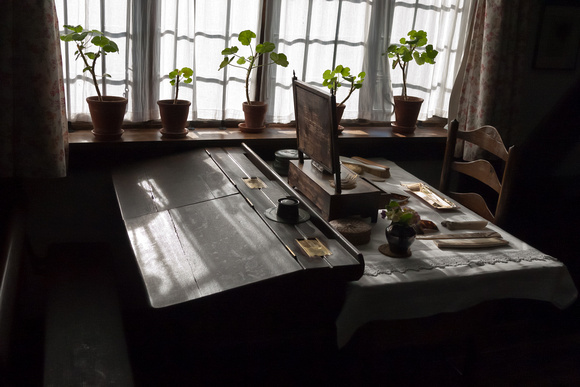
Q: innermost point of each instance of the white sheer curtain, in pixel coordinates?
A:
(111, 16)
(445, 22)
(157, 36)
(316, 36)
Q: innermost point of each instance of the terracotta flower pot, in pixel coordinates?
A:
(174, 117)
(406, 113)
(255, 115)
(107, 116)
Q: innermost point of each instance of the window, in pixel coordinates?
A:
(157, 36)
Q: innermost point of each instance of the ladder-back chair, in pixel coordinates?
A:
(481, 170)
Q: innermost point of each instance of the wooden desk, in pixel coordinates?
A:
(197, 229)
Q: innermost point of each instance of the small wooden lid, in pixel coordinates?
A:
(286, 154)
(356, 231)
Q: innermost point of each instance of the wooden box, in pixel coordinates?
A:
(363, 200)
(317, 136)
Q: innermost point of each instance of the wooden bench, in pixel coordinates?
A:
(11, 248)
(84, 337)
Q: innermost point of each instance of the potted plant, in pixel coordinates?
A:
(107, 113)
(400, 233)
(174, 111)
(254, 111)
(332, 80)
(407, 108)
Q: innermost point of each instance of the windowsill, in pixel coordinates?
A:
(233, 136)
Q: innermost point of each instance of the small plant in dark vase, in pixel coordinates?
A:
(333, 79)
(107, 112)
(254, 111)
(400, 233)
(407, 108)
(174, 111)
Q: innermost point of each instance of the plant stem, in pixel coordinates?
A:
(250, 67)
(176, 89)
(352, 88)
(405, 81)
(91, 70)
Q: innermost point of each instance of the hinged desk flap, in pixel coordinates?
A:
(205, 248)
(172, 181)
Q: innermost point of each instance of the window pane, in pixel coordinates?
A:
(155, 37)
(220, 93)
(112, 15)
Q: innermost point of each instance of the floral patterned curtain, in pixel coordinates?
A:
(33, 134)
(493, 64)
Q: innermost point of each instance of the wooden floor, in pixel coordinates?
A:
(533, 344)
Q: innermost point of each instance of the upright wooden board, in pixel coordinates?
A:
(316, 125)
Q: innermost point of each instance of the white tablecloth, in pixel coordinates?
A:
(434, 280)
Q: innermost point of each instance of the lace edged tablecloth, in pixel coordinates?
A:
(390, 265)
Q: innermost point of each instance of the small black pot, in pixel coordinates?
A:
(400, 237)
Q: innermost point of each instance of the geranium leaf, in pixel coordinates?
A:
(265, 47)
(246, 37)
(187, 72)
(230, 50)
(279, 59)
(225, 62)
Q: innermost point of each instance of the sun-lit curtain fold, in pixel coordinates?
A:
(33, 136)
(144, 43)
(376, 95)
(492, 78)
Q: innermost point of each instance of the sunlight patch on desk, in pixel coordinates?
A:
(355, 132)
(160, 255)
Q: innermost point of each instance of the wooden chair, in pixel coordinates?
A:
(481, 170)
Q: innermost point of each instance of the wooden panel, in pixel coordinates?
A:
(173, 181)
(195, 251)
(316, 124)
(263, 199)
(227, 245)
(266, 198)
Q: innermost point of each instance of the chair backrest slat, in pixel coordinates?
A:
(487, 138)
(481, 170)
(483, 139)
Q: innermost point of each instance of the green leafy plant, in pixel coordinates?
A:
(251, 62)
(185, 74)
(398, 214)
(332, 80)
(406, 52)
(85, 40)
